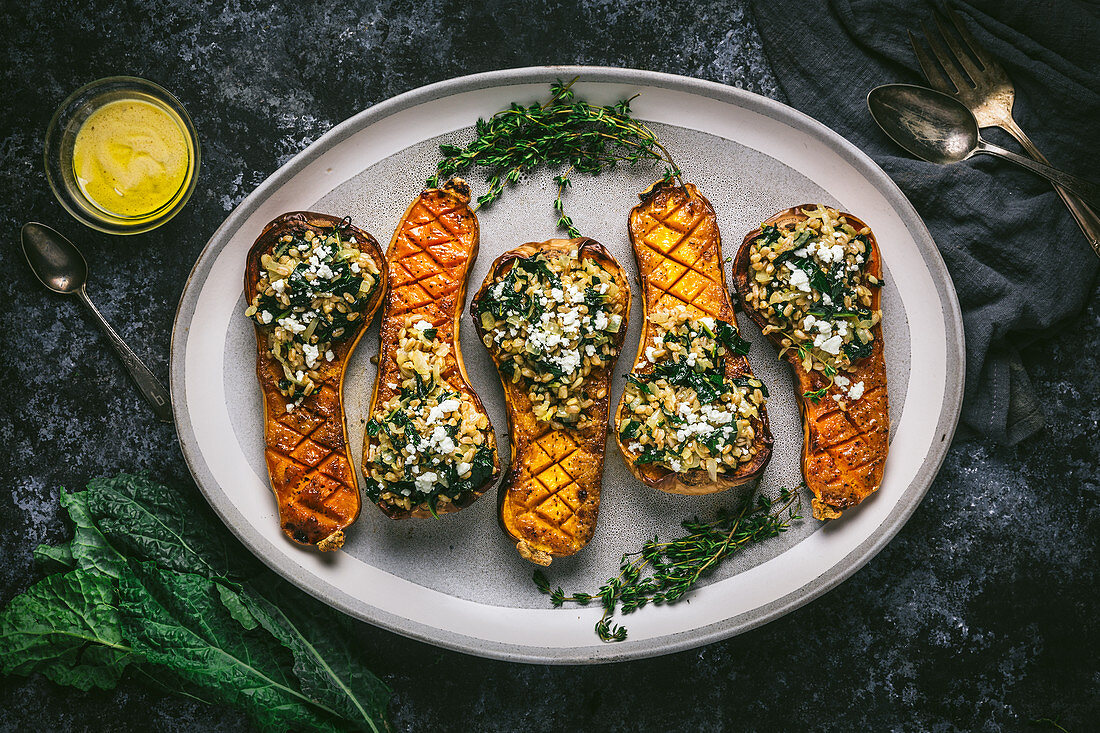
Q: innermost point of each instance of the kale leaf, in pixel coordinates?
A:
(728, 336)
(152, 582)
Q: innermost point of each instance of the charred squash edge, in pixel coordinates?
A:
(695, 482)
(822, 508)
(301, 221)
(460, 190)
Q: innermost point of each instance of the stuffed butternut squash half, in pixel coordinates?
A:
(692, 419)
(312, 282)
(429, 448)
(810, 277)
(553, 317)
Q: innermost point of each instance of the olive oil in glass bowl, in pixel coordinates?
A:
(122, 156)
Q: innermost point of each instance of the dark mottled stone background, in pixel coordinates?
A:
(979, 616)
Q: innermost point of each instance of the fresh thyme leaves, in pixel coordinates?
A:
(564, 131)
(816, 395)
(663, 572)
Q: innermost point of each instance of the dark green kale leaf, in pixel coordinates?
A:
(67, 628)
(152, 582)
(856, 349)
(770, 234)
(728, 336)
(630, 430)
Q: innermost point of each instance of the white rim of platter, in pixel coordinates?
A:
(241, 496)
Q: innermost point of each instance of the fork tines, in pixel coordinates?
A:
(966, 68)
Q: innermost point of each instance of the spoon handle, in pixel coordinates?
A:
(1085, 190)
(149, 386)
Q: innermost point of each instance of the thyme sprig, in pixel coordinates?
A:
(663, 572)
(564, 131)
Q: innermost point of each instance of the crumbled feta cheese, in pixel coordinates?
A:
(842, 381)
(463, 468)
(422, 325)
(856, 391)
(279, 286)
(809, 322)
(799, 279)
(354, 267)
(266, 316)
(329, 356)
(832, 345)
(291, 324)
(325, 272)
(425, 481)
(311, 353)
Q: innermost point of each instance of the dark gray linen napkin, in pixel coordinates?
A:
(1019, 263)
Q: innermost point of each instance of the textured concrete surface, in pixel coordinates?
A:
(977, 617)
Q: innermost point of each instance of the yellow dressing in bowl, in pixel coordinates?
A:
(131, 157)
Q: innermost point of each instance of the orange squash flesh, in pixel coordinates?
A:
(430, 257)
(843, 451)
(308, 458)
(678, 248)
(550, 498)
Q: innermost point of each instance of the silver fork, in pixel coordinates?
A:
(985, 88)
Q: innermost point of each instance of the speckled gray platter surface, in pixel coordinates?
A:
(465, 557)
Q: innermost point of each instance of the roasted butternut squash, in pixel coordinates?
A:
(810, 277)
(692, 419)
(313, 282)
(553, 316)
(429, 447)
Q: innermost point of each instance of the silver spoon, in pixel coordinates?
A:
(938, 128)
(58, 264)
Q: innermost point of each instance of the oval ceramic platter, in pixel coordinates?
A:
(458, 582)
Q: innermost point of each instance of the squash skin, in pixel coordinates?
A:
(440, 231)
(843, 454)
(569, 460)
(308, 458)
(663, 207)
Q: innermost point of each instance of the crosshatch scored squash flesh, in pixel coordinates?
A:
(553, 316)
(429, 448)
(692, 418)
(811, 278)
(313, 282)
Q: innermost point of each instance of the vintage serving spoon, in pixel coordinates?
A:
(940, 129)
(58, 264)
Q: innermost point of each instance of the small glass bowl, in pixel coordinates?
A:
(61, 136)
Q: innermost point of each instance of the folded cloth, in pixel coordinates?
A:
(1020, 264)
